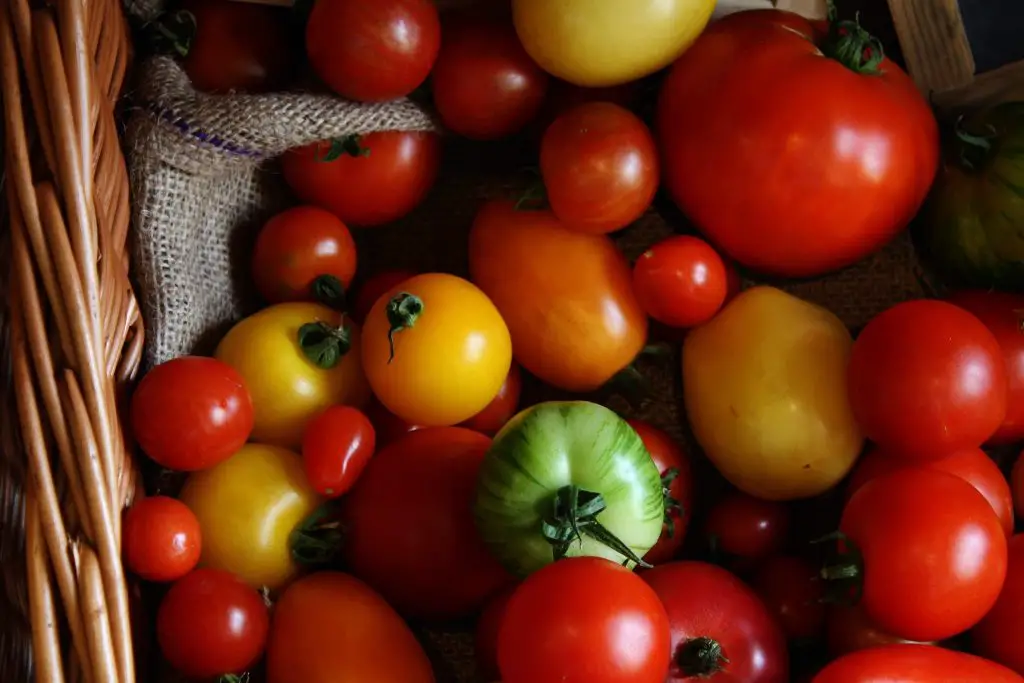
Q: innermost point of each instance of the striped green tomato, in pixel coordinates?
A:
(568, 479)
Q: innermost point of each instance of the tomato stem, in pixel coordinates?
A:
(843, 569)
(350, 145)
(329, 291)
(673, 508)
(852, 45)
(700, 657)
(403, 311)
(574, 515)
(324, 344)
(171, 33)
(317, 541)
(973, 149)
(234, 678)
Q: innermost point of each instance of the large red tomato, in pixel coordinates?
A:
(914, 664)
(677, 478)
(998, 636)
(837, 150)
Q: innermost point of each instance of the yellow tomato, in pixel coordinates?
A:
(452, 350)
(247, 507)
(765, 390)
(608, 42)
(288, 388)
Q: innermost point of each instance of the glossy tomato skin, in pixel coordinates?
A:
(332, 627)
(335, 449)
(387, 180)
(373, 51)
(583, 620)
(485, 638)
(794, 593)
(910, 528)
(375, 287)
(600, 167)
(190, 413)
(997, 637)
(911, 663)
(671, 462)
(681, 281)
(863, 149)
(566, 296)
(705, 601)
(746, 527)
(501, 409)
(210, 623)
(161, 538)
(848, 629)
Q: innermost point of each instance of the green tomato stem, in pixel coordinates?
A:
(852, 46)
(843, 569)
(324, 344)
(700, 658)
(403, 311)
(329, 291)
(318, 540)
(574, 515)
(350, 145)
(673, 508)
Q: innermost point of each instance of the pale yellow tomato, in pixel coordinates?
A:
(608, 42)
(451, 354)
(766, 394)
(247, 507)
(289, 385)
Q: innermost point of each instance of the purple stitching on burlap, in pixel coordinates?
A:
(200, 135)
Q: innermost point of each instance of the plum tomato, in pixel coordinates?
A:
(373, 288)
(794, 593)
(746, 527)
(161, 539)
(502, 408)
(335, 449)
(997, 637)
(681, 281)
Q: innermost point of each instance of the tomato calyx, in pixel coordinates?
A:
(843, 570)
(574, 515)
(339, 147)
(700, 657)
(234, 678)
(329, 290)
(171, 33)
(317, 541)
(325, 344)
(403, 311)
(852, 45)
(973, 150)
(673, 508)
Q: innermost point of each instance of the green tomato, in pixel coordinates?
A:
(568, 479)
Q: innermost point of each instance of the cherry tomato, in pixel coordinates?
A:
(210, 623)
(583, 620)
(485, 641)
(161, 539)
(367, 180)
(681, 281)
(374, 288)
(927, 379)
(794, 594)
(388, 426)
(1017, 482)
(910, 529)
(910, 663)
(600, 167)
(997, 637)
(191, 413)
(484, 84)
(335, 449)
(373, 51)
(848, 629)
(502, 408)
(747, 527)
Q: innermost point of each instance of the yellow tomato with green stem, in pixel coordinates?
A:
(435, 350)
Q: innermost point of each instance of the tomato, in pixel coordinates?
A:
(502, 407)
(909, 529)
(806, 188)
(566, 296)
(563, 97)
(485, 640)
(972, 465)
(997, 637)
(583, 620)
(247, 508)
(375, 287)
(484, 85)
(733, 281)
(681, 281)
(297, 360)
(367, 180)
(600, 167)
(303, 254)
(848, 629)
(435, 349)
(608, 42)
(210, 623)
(721, 631)
(764, 383)
(191, 413)
(161, 539)
(335, 449)
(747, 527)
(927, 379)
(1002, 315)
(677, 483)
(568, 479)
(794, 593)
(332, 627)
(373, 51)
(387, 425)
(1017, 482)
(914, 664)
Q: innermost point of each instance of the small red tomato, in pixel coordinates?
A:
(681, 281)
(848, 629)
(599, 163)
(387, 426)
(502, 408)
(998, 636)
(161, 539)
(375, 287)
(677, 478)
(335, 448)
(747, 527)
(486, 637)
(794, 593)
(211, 623)
(1017, 483)
(191, 413)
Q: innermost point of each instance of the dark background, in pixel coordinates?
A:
(994, 31)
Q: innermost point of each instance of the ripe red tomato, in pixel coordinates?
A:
(911, 528)
(804, 189)
(336, 447)
(794, 593)
(997, 637)
(485, 642)
(677, 477)
(484, 84)
(600, 167)
(380, 179)
(911, 663)
(161, 539)
(926, 379)
(584, 620)
(375, 287)
(747, 527)
(681, 281)
(721, 631)
(373, 51)
(502, 408)
(848, 629)
(211, 623)
(191, 413)
(1017, 483)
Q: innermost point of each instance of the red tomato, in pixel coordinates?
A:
(998, 636)
(409, 532)
(931, 553)
(914, 664)
(374, 288)
(721, 631)
(388, 426)
(388, 175)
(677, 476)
(848, 629)
(600, 167)
(336, 447)
(747, 527)
(161, 539)
(1017, 482)
(191, 413)
(484, 84)
(808, 187)
(373, 51)
(972, 465)
(502, 408)
(927, 379)
(211, 623)
(794, 594)
(681, 281)
(488, 626)
(584, 620)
